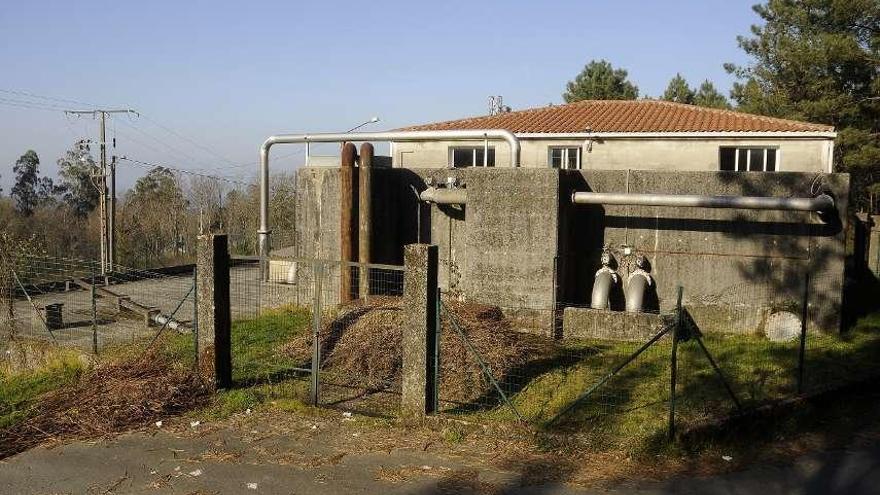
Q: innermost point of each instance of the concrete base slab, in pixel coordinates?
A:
(588, 323)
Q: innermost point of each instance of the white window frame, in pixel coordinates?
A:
(474, 150)
(565, 154)
(746, 166)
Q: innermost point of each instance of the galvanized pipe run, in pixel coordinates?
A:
(444, 196)
(820, 203)
(460, 135)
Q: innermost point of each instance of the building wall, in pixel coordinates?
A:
(795, 155)
(519, 243)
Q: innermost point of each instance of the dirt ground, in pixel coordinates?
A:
(328, 451)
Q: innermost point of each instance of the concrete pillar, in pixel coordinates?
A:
(214, 304)
(418, 390)
(348, 230)
(365, 208)
(874, 245)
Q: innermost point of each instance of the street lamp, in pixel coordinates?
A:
(371, 121)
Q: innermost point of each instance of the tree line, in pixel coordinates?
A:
(811, 60)
(158, 218)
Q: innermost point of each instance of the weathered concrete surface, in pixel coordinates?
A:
(205, 279)
(588, 323)
(519, 243)
(513, 221)
(874, 246)
(716, 254)
(419, 331)
(215, 304)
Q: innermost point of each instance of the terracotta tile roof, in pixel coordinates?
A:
(626, 116)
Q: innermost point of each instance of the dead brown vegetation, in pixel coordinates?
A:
(108, 400)
(363, 344)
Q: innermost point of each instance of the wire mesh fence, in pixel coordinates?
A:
(325, 331)
(69, 303)
(609, 375)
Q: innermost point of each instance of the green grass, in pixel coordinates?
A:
(256, 342)
(19, 392)
(630, 411)
(263, 374)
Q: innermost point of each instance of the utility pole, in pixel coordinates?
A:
(107, 199)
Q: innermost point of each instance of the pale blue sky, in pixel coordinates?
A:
(228, 74)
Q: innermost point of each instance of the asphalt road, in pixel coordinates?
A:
(230, 461)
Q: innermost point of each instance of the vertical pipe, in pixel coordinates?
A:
(347, 228)
(365, 207)
(111, 236)
(103, 199)
(674, 365)
(803, 344)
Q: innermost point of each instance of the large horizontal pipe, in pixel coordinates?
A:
(460, 135)
(822, 202)
(444, 196)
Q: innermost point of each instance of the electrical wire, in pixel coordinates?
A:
(49, 98)
(151, 165)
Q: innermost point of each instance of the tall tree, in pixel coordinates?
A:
(678, 91)
(31, 191)
(600, 81)
(819, 60)
(708, 96)
(155, 219)
(77, 170)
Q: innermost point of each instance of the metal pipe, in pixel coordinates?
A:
(348, 236)
(444, 196)
(459, 135)
(602, 289)
(365, 209)
(604, 280)
(637, 285)
(822, 202)
(635, 292)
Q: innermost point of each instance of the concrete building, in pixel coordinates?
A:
(631, 135)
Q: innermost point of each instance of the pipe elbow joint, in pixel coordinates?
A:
(636, 286)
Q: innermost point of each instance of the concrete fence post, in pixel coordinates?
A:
(214, 304)
(418, 391)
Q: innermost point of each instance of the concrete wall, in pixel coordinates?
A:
(519, 243)
(795, 154)
(729, 257)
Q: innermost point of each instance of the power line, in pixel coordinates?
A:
(151, 165)
(42, 97)
(184, 138)
(28, 105)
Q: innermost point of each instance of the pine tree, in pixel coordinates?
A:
(819, 61)
(708, 96)
(600, 81)
(678, 91)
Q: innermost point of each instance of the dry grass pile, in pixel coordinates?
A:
(363, 345)
(107, 400)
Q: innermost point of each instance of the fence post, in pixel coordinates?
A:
(214, 311)
(420, 328)
(195, 322)
(94, 314)
(805, 313)
(315, 389)
(673, 364)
